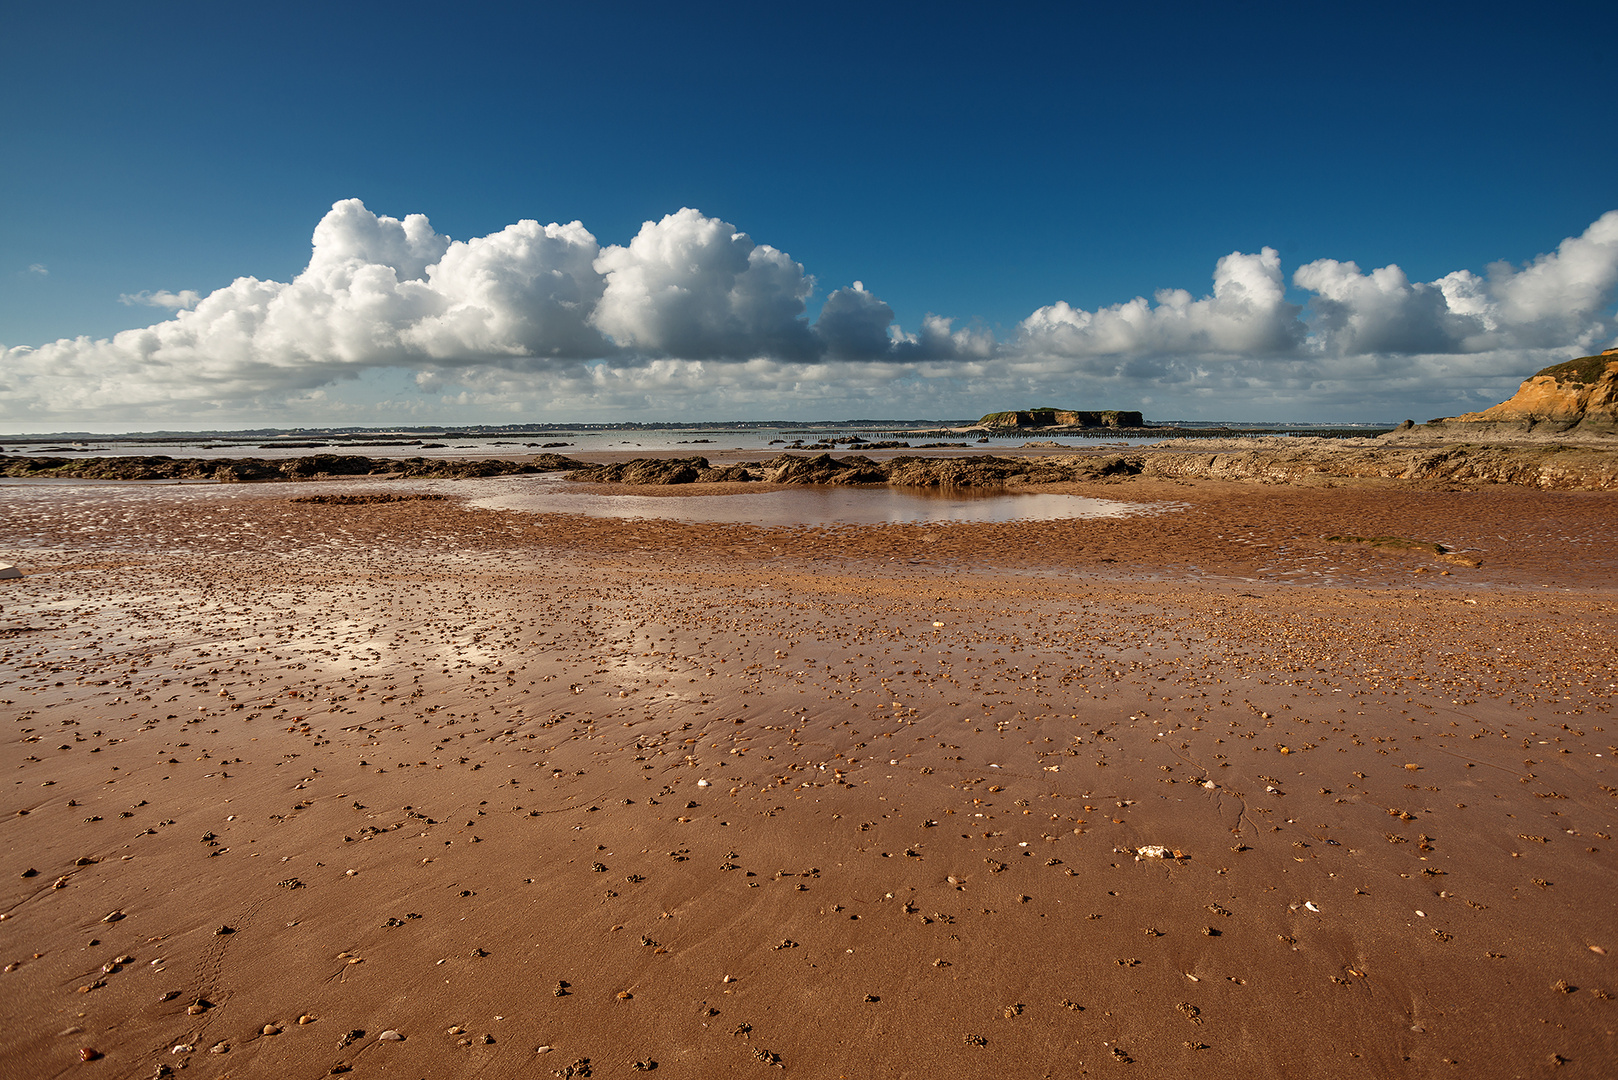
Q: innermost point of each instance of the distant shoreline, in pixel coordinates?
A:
(910, 428)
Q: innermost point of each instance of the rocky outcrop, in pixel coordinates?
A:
(692, 470)
(782, 469)
(824, 469)
(1063, 418)
(1271, 460)
(1578, 399)
(1319, 461)
(986, 470)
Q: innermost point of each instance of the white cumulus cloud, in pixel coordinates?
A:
(693, 314)
(1557, 300)
(693, 287)
(174, 301)
(1247, 315)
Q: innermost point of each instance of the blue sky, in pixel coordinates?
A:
(974, 165)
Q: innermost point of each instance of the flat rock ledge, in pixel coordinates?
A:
(1273, 460)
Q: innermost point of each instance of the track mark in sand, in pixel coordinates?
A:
(212, 964)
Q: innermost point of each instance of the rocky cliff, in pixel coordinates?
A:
(1578, 398)
(1048, 418)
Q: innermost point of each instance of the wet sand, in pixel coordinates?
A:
(1193, 791)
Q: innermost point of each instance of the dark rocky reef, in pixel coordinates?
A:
(1270, 460)
(252, 470)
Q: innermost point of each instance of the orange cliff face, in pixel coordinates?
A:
(1582, 392)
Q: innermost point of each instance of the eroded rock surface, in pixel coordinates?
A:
(1575, 400)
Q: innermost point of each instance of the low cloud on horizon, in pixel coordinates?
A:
(392, 322)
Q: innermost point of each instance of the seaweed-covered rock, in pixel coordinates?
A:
(644, 471)
(824, 469)
(247, 470)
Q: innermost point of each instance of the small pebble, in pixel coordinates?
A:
(391, 1036)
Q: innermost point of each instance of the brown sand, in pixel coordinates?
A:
(560, 796)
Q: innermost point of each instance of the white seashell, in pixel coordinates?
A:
(391, 1036)
(1153, 851)
(702, 783)
(1310, 904)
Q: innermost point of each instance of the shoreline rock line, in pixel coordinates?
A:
(1270, 461)
(258, 470)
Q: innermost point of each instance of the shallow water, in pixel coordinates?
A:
(681, 441)
(553, 493)
(819, 506)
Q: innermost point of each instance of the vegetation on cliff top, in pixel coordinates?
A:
(1585, 369)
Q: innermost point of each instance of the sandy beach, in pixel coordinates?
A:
(415, 789)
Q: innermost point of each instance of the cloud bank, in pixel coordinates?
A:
(391, 320)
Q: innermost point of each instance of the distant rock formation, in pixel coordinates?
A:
(1578, 398)
(1050, 417)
